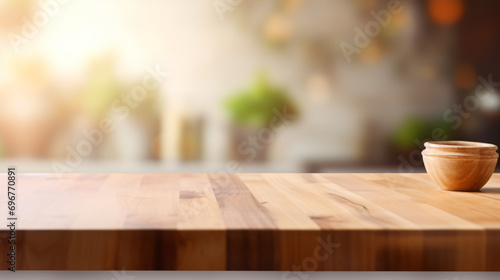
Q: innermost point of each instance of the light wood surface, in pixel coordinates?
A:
(252, 222)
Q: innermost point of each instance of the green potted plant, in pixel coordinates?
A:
(251, 112)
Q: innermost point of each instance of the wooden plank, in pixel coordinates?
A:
(490, 190)
(334, 210)
(460, 204)
(371, 222)
(154, 203)
(361, 207)
(420, 214)
(239, 208)
(110, 206)
(198, 208)
(284, 213)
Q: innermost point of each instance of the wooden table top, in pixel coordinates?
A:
(255, 222)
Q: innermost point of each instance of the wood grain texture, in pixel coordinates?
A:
(460, 165)
(252, 222)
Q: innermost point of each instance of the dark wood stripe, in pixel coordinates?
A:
(238, 206)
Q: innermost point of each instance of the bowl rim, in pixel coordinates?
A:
(458, 144)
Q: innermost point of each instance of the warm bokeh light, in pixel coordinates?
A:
(278, 28)
(372, 54)
(446, 12)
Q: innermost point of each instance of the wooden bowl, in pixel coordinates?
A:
(460, 165)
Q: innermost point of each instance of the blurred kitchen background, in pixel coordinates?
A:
(70, 68)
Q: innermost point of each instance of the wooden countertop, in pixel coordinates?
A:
(252, 222)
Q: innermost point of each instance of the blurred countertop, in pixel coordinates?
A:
(123, 166)
(104, 166)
